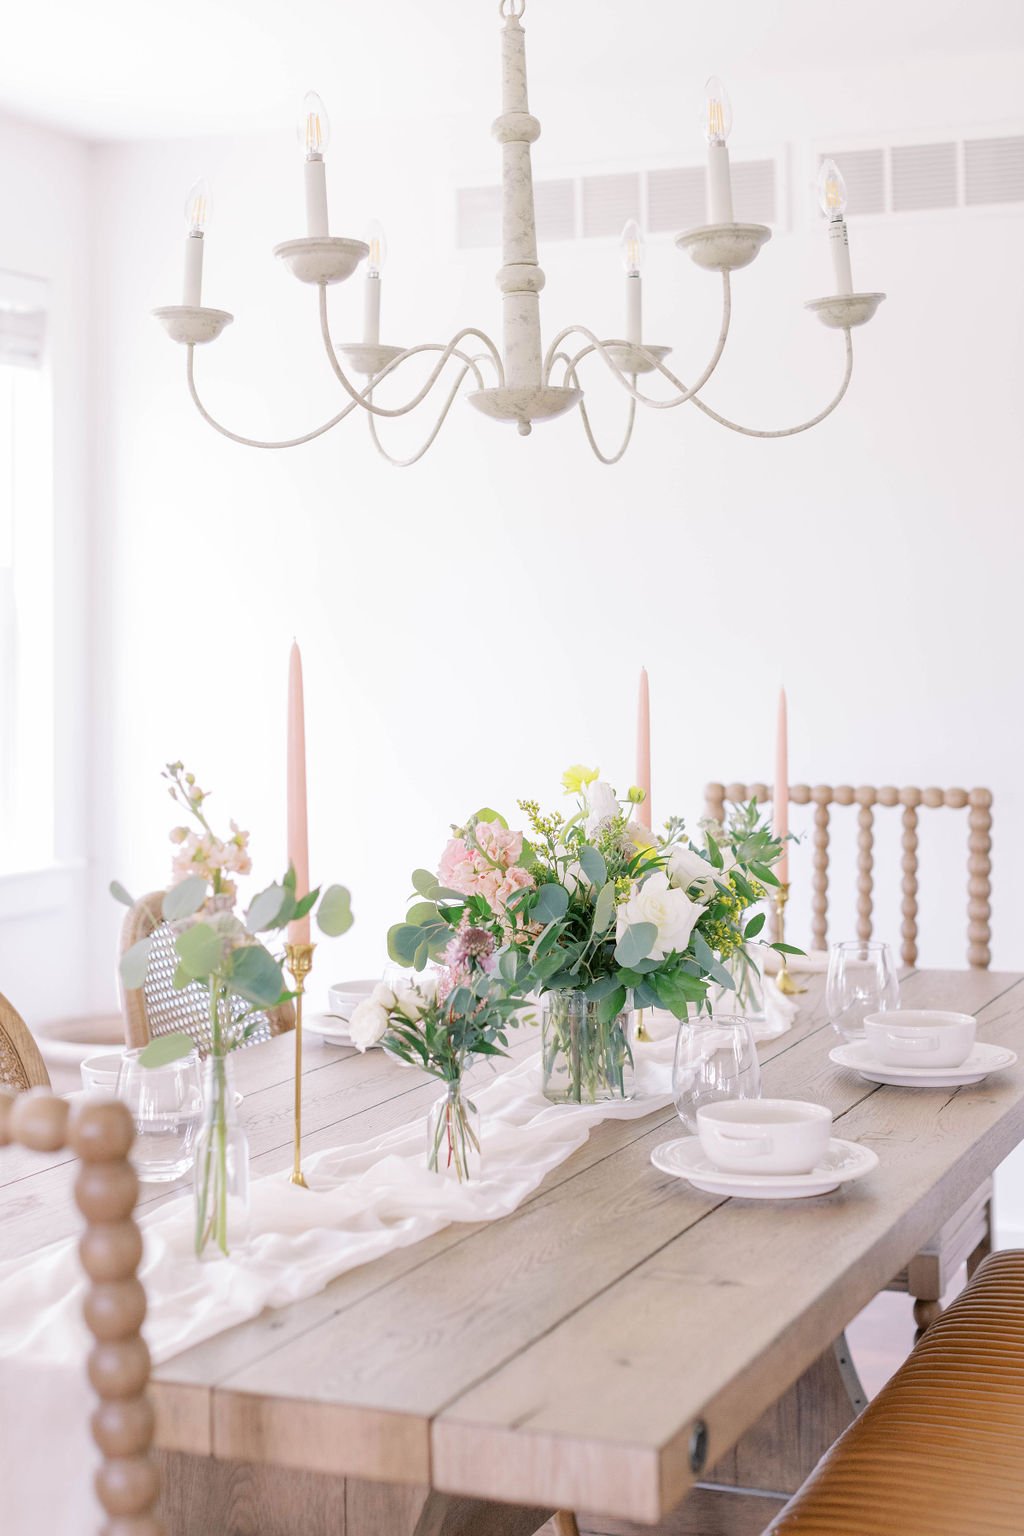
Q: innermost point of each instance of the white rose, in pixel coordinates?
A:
(672, 913)
(412, 997)
(368, 1024)
(686, 868)
(382, 995)
(602, 805)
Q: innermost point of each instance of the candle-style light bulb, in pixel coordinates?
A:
(378, 244)
(832, 197)
(197, 216)
(313, 131)
(831, 190)
(717, 111)
(197, 207)
(377, 241)
(632, 247)
(314, 126)
(717, 124)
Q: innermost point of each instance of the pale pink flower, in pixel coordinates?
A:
(499, 843)
(516, 879)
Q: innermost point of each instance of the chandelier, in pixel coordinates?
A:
(518, 382)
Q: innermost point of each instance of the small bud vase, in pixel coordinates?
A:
(585, 1061)
(221, 1167)
(453, 1135)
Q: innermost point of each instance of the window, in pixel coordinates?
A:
(26, 580)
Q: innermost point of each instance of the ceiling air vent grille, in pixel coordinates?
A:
(993, 171)
(608, 201)
(864, 173)
(923, 176)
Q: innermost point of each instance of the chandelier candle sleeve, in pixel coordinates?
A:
(298, 835)
(643, 748)
(632, 261)
(780, 792)
(717, 124)
(520, 278)
(197, 211)
(371, 288)
(314, 135)
(832, 197)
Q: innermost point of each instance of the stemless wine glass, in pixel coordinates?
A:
(166, 1104)
(716, 1058)
(862, 979)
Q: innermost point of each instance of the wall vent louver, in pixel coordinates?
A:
(932, 177)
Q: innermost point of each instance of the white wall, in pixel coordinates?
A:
(472, 625)
(45, 180)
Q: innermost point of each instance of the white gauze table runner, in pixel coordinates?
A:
(364, 1200)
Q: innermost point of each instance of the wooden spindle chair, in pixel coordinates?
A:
(967, 1237)
(100, 1132)
(21, 1065)
(159, 1008)
(978, 804)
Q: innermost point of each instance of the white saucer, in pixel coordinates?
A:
(982, 1060)
(686, 1159)
(328, 1028)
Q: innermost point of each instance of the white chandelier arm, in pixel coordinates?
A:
(363, 397)
(572, 379)
(252, 442)
(686, 392)
(723, 421)
(439, 423)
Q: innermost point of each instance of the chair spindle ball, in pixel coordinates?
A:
(7, 1098)
(106, 1191)
(956, 799)
(134, 1525)
(39, 1120)
(888, 794)
(111, 1250)
(100, 1132)
(119, 1369)
(821, 794)
(115, 1309)
(128, 1485)
(123, 1426)
(933, 797)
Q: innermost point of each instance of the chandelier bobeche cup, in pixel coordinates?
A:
(519, 382)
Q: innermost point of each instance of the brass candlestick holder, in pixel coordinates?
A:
(784, 981)
(299, 959)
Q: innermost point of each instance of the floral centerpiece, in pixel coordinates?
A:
(225, 954)
(598, 915)
(443, 1021)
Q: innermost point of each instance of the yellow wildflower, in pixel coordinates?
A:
(574, 779)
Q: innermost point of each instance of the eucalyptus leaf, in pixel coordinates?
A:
(266, 907)
(404, 939)
(256, 976)
(550, 903)
(119, 893)
(164, 1049)
(135, 963)
(334, 914)
(604, 909)
(488, 815)
(635, 943)
(200, 950)
(611, 1006)
(183, 900)
(289, 915)
(593, 865)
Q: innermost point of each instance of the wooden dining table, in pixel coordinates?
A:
(622, 1345)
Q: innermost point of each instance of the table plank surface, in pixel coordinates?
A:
(562, 1355)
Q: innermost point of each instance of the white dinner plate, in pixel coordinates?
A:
(328, 1028)
(983, 1059)
(685, 1158)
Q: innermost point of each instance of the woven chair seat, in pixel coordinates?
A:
(938, 1452)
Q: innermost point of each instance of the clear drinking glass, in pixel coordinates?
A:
(716, 1058)
(167, 1106)
(862, 979)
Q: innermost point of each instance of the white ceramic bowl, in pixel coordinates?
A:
(345, 996)
(99, 1071)
(764, 1135)
(920, 1037)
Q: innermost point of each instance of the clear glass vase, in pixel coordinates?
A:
(585, 1061)
(453, 1135)
(748, 998)
(221, 1167)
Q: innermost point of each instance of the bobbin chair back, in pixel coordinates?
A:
(100, 1132)
(868, 799)
(21, 1065)
(160, 1008)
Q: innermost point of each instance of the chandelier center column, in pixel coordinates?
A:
(519, 278)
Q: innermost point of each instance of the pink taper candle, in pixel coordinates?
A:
(780, 792)
(298, 835)
(643, 749)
